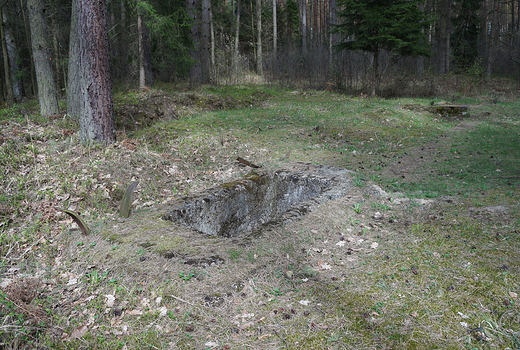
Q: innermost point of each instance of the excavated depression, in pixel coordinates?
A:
(260, 198)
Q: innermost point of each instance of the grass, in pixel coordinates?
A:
(426, 260)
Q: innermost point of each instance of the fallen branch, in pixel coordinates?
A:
(248, 163)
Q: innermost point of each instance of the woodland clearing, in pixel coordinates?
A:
(421, 253)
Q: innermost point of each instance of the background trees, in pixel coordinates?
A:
(397, 26)
(286, 42)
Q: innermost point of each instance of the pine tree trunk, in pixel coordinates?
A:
(236, 55)
(7, 75)
(492, 39)
(14, 58)
(375, 68)
(259, 61)
(196, 69)
(96, 114)
(275, 31)
(443, 38)
(304, 27)
(145, 56)
(74, 75)
(205, 46)
(42, 57)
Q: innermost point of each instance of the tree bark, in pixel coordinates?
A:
(14, 58)
(5, 55)
(443, 38)
(47, 95)
(236, 55)
(304, 26)
(196, 68)
(259, 61)
(492, 39)
(145, 56)
(275, 31)
(205, 41)
(96, 109)
(74, 75)
(375, 73)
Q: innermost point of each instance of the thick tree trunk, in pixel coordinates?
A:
(96, 116)
(42, 57)
(259, 61)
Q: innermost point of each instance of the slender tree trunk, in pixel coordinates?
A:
(304, 26)
(492, 39)
(96, 113)
(42, 56)
(275, 31)
(236, 55)
(5, 55)
(259, 61)
(212, 39)
(196, 68)
(12, 53)
(142, 72)
(443, 39)
(74, 76)
(332, 36)
(375, 68)
(145, 56)
(205, 46)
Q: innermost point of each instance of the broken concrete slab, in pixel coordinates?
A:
(260, 198)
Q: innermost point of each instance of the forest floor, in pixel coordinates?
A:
(421, 253)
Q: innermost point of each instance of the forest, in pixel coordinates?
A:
(355, 161)
(287, 42)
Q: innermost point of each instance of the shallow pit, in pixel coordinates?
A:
(260, 198)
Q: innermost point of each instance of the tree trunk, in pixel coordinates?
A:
(275, 31)
(145, 56)
(375, 73)
(332, 36)
(443, 38)
(196, 69)
(5, 55)
(205, 46)
(74, 75)
(236, 55)
(96, 109)
(259, 61)
(12, 52)
(212, 39)
(42, 57)
(304, 26)
(492, 39)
